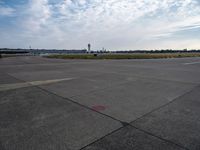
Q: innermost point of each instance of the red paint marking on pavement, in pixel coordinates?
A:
(98, 108)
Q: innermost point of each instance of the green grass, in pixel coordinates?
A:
(124, 56)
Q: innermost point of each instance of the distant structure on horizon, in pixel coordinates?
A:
(89, 47)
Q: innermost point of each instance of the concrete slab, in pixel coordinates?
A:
(11, 61)
(32, 119)
(130, 138)
(31, 72)
(111, 79)
(172, 75)
(178, 122)
(174, 64)
(5, 87)
(129, 101)
(86, 85)
(41, 75)
(7, 79)
(73, 87)
(157, 72)
(32, 68)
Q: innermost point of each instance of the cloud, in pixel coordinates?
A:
(6, 11)
(128, 24)
(37, 13)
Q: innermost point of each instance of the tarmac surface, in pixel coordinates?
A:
(54, 104)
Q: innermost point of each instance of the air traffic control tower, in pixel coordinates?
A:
(89, 48)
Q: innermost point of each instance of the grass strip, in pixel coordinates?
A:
(124, 56)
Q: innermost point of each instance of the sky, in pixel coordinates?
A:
(113, 24)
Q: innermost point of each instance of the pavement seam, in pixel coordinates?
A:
(102, 138)
(162, 106)
(15, 77)
(86, 78)
(36, 87)
(145, 132)
(88, 108)
(167, 141)
(84, 106)
(71, 100)
(68, 99)
(124, 124)
(144, 77)
(132, 123)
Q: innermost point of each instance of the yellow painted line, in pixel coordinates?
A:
(5, 87)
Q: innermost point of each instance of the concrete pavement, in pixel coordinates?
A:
(54, 104)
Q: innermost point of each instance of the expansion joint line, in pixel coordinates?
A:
(124, 124)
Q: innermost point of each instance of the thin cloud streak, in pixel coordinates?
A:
(6, 11)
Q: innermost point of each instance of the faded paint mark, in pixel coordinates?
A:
(192, 63)
(98, 108)
(5, 87)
